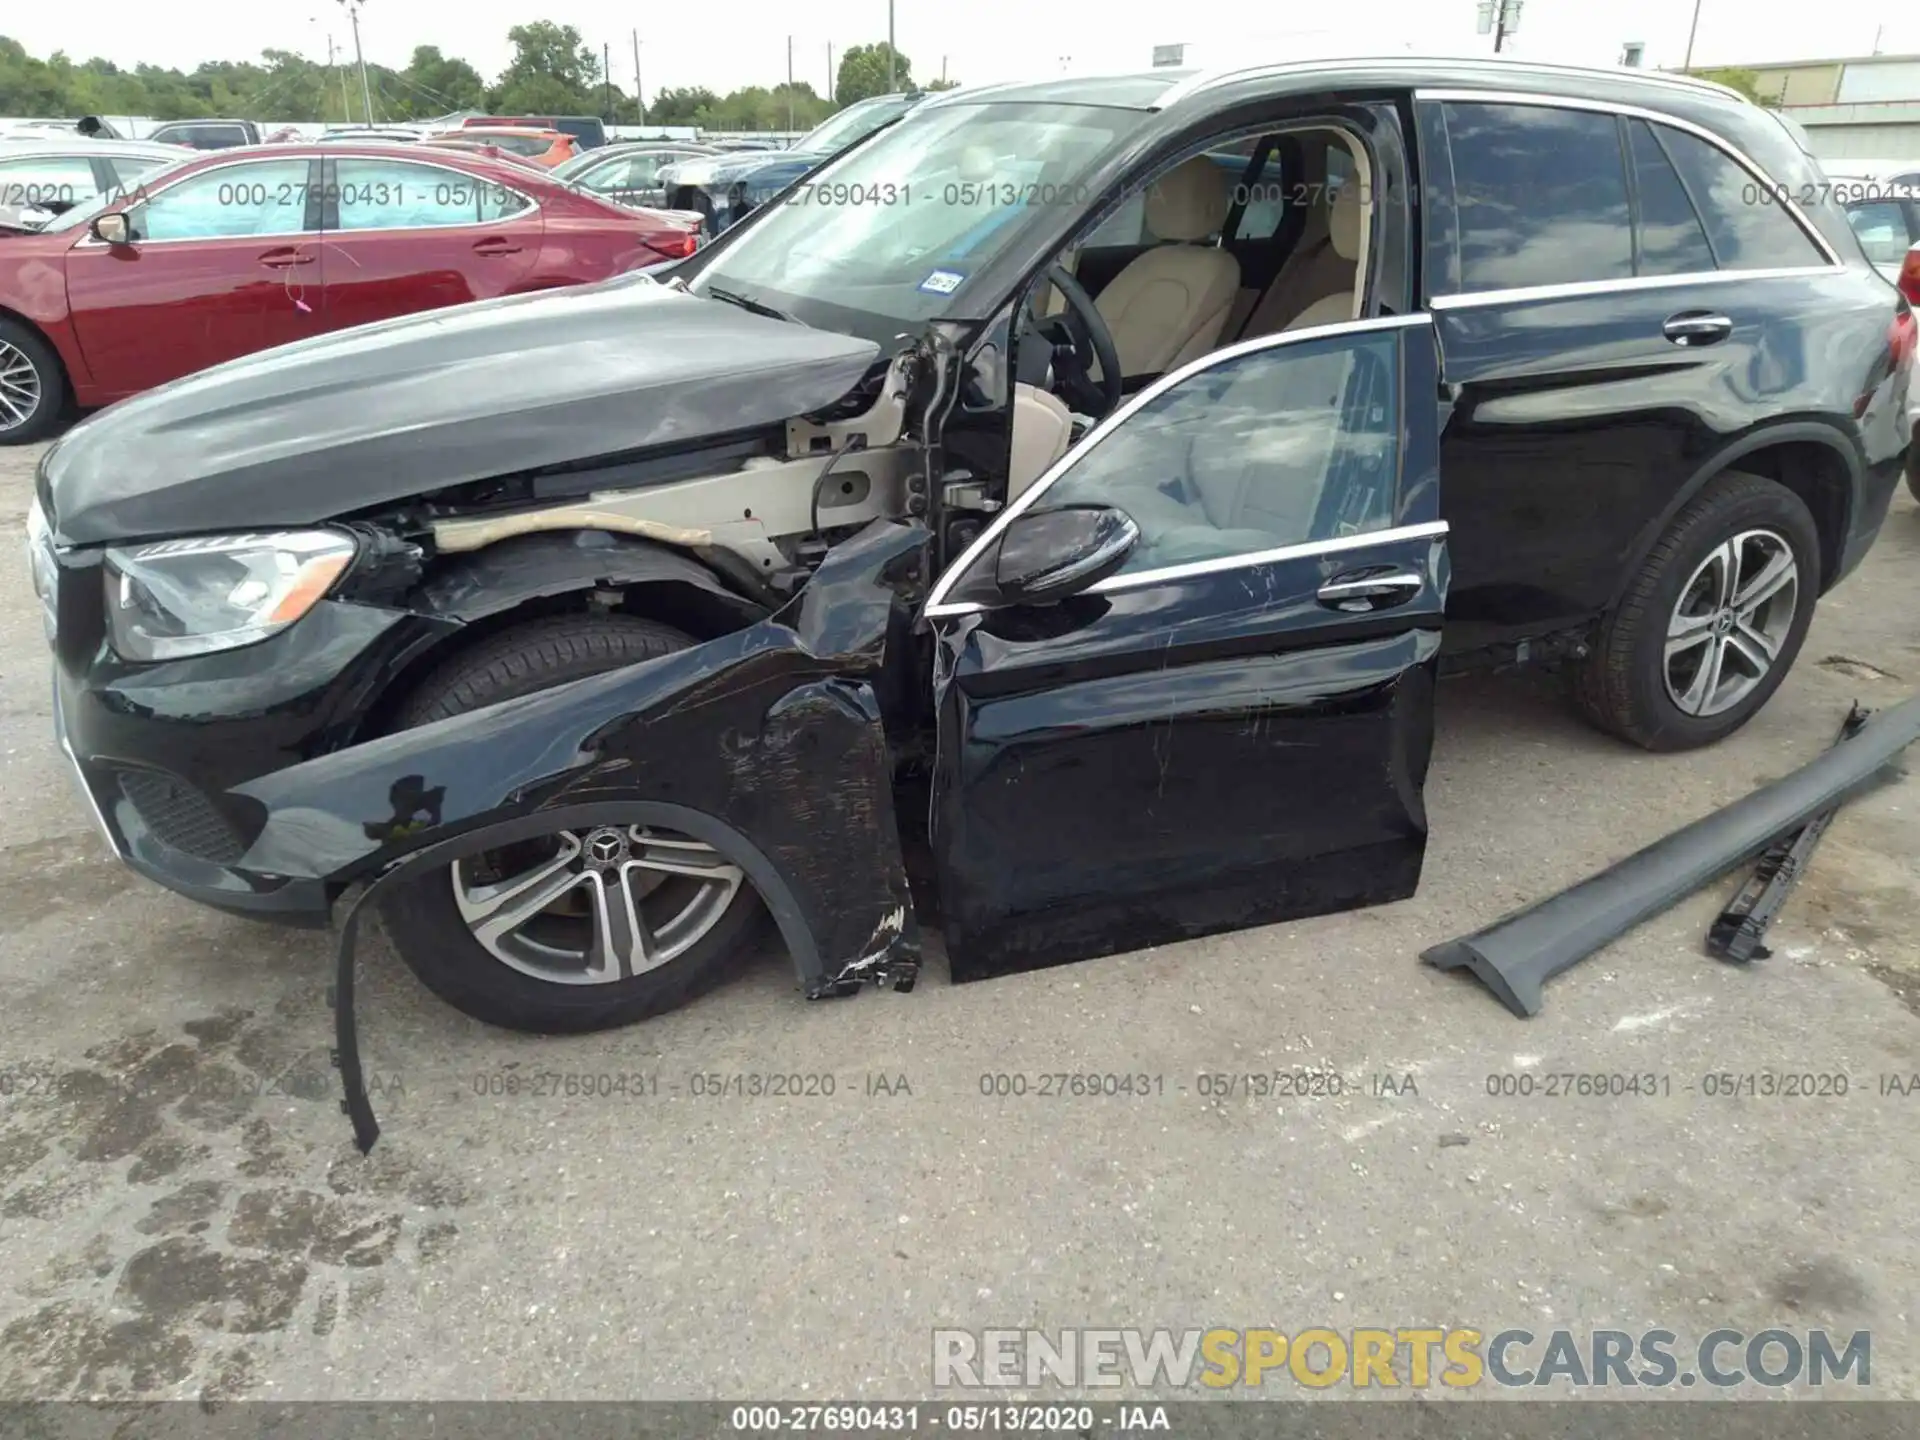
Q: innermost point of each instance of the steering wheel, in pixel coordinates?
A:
(1080, 336)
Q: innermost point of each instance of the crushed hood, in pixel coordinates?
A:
(334, 424)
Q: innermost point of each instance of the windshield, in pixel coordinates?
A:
(838, 131)
(894, 229)
(87, 209)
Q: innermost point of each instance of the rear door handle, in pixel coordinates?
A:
(495, 246)
(1696, 327)
(285, 257)
(1358, 591)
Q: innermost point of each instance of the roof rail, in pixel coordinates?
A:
(1207, 80)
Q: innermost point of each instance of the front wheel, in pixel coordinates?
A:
(1713, 621)
(33, 387)
(581, 929)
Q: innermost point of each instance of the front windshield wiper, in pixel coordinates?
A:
(758, 307)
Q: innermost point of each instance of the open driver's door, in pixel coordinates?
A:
(1233, 727)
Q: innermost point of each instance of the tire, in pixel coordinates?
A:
(1630, 687)
(425, 918)
(29, 363)
(1913, 471)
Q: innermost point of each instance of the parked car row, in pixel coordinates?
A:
(157, 272)
(1104, 557)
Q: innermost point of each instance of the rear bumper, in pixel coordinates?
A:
(1871, 500)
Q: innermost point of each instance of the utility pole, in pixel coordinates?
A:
(831, 78)
(366, 90)
(889, 47)
(943, 69)
(639, 95)
(606, 75)
(1693, 30)
(789, 82)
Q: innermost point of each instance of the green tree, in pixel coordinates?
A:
(1747, 82)
(680, 106)
(552, 73)
(433, 85)
(943, 85)
(863, 73)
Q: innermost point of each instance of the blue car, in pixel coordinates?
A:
(725, 188)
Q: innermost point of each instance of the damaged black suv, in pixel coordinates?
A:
(1076, 487)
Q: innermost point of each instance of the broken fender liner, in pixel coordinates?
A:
(1738, 935)
(1517, 955)
(891, 956)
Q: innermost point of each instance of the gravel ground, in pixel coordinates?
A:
(182, 1212)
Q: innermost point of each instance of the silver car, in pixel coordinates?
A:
(41, 177)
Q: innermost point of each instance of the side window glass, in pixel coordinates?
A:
(1882, 228)
(1542, 196)
(1265, 195)
(128, 171)
(1286, 445)
(397, 195)
(1126, 226)
(269, 198)
(46, 182)
(1748, 227)
(1672, 239)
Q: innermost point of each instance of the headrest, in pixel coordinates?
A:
(1189, 202)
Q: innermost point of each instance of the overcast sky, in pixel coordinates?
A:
(737, 42)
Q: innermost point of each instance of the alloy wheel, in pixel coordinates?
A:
(1732, 619)
(595, 907)
(19, 387)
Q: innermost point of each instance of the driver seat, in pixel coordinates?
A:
(1167, 307)
(1171, 302)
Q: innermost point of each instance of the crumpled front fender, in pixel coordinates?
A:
(775, 734)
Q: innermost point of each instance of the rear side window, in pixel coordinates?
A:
(1541, 196)
(1673, 241)
(48, 182)
(1747, 226)
(1882, 228)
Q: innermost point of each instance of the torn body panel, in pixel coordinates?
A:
(773, 734)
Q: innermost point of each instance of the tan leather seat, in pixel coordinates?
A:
(1042, 430)
(1344, 220)
(1169, 305)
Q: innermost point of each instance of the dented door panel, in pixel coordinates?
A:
(775, 733)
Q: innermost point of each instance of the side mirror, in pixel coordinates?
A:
(112, 228)
(1047, 555)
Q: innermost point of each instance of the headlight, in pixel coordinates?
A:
(41, 563)
(189, 597)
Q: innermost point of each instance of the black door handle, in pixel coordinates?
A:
(1697, 327)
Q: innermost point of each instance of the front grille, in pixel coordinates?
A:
(181, 817)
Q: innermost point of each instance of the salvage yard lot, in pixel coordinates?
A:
(182, 1211)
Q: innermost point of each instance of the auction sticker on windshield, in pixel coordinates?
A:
(942, 282)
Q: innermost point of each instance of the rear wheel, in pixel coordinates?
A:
(33, 386)
(582, 929)
(1713, 621)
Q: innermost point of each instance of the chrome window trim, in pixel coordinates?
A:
(1575, 289)
(1652, 117)
(1213, 79)
(87, 242)
(936, 605)
(1167, 574)
(530, 205)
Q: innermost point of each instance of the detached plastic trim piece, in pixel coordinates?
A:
(1515, 956)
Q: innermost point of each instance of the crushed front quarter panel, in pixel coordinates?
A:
(770, 744)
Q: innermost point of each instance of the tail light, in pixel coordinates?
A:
(1909, 281)
(1901, 338)
(678, 244)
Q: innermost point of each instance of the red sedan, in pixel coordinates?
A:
(235, 251)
